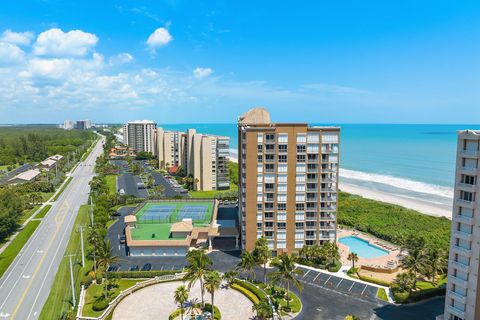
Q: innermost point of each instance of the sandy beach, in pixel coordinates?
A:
(425, 207)
(421, 206)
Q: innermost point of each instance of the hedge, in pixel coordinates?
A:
(144, 274)
(249, 294)
(175, 314)
(251, 287)
(374, 280)
(218, 315)
(425, 294)
(100, 305)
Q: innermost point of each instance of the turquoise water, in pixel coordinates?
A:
(413, 161)
(362, 248)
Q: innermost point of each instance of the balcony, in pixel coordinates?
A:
(328, 189)
(456, 311)
(331, 208)
(463, 251)
(472, 153)
(312, 199)
(330, 237)
(328, 199)
(463, 235)
(327, 227)
(460, 265)
(458, 296)
(467, 170)
(312, 180)
(329, 169)
(458, 281)
(466, 186)
(312, 170)
(464, 219)
(328, 217)
(311, 237)
(465, 203)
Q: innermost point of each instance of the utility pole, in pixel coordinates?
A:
(81, 244)
(71, 281)
(91, 210)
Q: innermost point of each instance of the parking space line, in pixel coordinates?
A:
(327, 280)
(306, 273)
(339, 282)
(364, 290)
(316, 277)
(351, 286)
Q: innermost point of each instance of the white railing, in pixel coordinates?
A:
(123, 294)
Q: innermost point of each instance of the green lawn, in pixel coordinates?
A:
(111, 183)
(28, 213)
(60, 297)
(43, 212)
(9, 254)
(382, 294)
(210, 194)
(46, 196)
(69, 179)
(97, 291)
(391, 222)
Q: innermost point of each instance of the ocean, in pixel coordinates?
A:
(414, 161)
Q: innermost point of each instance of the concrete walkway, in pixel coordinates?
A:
(156, 302)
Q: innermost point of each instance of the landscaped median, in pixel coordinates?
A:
(57, 195)
(12, 250)
(43, 212)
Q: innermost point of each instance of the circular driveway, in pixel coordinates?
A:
(156, 302)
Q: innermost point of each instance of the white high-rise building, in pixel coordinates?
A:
(68, 124)
(462, 301)
(140, 135)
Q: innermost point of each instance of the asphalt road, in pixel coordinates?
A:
(25, 286)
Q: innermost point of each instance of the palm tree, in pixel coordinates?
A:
(106, 258)
(262, 255)
(414, 262)
(213, 279)
(198, 266)
(286, 274)
(352, 256)
(403, 282)
(181, 296)
(94, 238)
(263, 310)
(435, 263)
(35, 198)
(247, 264)
(331, 252)
(229, 277)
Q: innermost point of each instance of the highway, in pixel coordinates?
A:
(25, 286)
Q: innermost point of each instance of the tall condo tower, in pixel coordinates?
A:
(462, 301)
(140, 135)
(288, 182)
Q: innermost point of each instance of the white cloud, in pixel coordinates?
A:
(121, 58)
(159, 37)
(55, 42)
(200, 73)
(18, 38)
(10, 53)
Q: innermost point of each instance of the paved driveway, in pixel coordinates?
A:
(156, 302)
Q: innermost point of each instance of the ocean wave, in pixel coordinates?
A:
(396, 182)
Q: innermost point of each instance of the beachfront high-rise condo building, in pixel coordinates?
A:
(462, 299)
(203, 156)
(140, 135)
(288, 182)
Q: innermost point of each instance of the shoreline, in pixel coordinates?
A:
(425, 207)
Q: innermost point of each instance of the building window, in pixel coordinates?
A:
(282, 188)
(282, 168)
(282, 158)
(300, 187)
(313, 138)
(301, 138)
(281, 206)
(282, 148)
(260, 158)
(300, 158)
(281, 225)
(300, 206)
(300, 168)
(282, 178)
(259, 148)
(283, 138)
(301, 148)
(260, 138)
(299, 226)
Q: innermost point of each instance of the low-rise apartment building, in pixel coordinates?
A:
(288, 182)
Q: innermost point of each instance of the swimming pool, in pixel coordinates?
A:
(363, 248)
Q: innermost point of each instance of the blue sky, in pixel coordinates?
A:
(209, 61)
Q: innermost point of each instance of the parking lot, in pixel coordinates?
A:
(340, 285)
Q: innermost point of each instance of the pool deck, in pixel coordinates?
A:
(389, 262)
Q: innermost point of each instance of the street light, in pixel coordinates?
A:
(71, 280)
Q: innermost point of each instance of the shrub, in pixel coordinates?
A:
(400, 296)
(373, 280)
(335, 267)
(260, 295)
(100, 305)
(250, 295)
(425, 294)
(174, 314)
(208, 307)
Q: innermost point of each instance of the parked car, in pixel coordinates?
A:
(122, 192)
(113, 268)
(133, 268)
(147, 267)
(122, 239)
